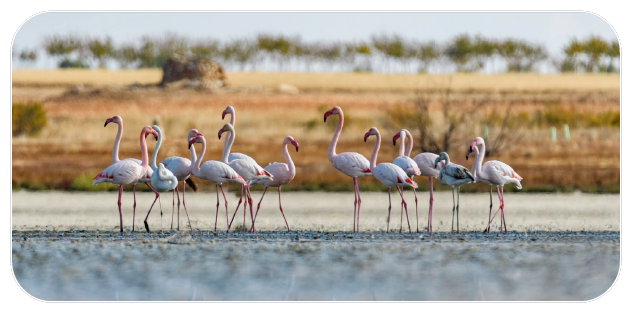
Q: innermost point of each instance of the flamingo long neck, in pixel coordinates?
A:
(200, 158)
(480, 153)
(447, 160)
(401, 146)
(227, 146)
(287, 157)
(155, 151)
(410, 145)
(143, 148)
(193, 154)
(377, 146)
(233, 123)
(115, 158)
(332, 148)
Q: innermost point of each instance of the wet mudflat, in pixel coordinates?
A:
(314, 265)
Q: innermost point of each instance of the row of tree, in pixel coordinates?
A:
(382, 53)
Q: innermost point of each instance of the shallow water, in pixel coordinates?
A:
(309, 265)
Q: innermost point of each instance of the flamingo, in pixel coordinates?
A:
(495, 173)
(248, 169)
(389, 174)
(425, 162)
(181, 167)
(230, 110)
(453, 175)
(214, 171)
(127, 172)
(282, 175)
(163, 180)
(351, 164)
(146, 179)
(407, 164)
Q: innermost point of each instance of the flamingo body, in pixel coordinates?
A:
(352, 164)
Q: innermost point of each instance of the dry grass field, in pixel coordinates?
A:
(74, 146)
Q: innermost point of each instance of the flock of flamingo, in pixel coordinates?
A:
(243, 169)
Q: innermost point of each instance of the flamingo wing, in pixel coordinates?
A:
(501, 173)
(281, 175)
(352, 164)
(180, 167)
(455, 175)
(235, 156)
(408, 165)
(218, 172)
(121, 173)
(426, 162)
(392, 175)
(249, 169)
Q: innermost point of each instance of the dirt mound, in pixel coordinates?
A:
(201, 71)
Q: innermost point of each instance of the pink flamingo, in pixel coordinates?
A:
(389, 174)
(407, 164)
(351, 164)
(216, 172)
(127, 171)
(248, 169)
(232, 156)
(495, 173)
(146, 179)
(427, 168)
(181, 167)
(282, 175)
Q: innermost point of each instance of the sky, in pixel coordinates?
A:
(553, 30)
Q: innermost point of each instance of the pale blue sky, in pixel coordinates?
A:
(552, 30)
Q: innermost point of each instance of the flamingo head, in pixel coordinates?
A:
(333, 111)
(372, 132)
(226, 127)
(158, 130)
(148, 130)
(228, 110)
(478, 140)
(193, 133)
(396, 137)
(289, 139)
(439, 160)
(115, 119)
(197, 139)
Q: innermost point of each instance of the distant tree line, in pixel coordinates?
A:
(381, 53)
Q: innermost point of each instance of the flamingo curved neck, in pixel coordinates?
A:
(227, 146)
(143, 148)
(480, 153)
(410, 145)
(193, 154)
(287, 157)
(200, 158)
(332, 148)
(155, 151)
(233, 123)
(447, 160)
(377, 147)
(401, 146)
(115, 158)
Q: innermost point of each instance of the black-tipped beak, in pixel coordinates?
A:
(324, 119)
(106, 124)
(219, 137)
(222, 117)
(364, 139)
(466, 157)
(394, 142)
(155, 138)
(189, 146)
(297, 148)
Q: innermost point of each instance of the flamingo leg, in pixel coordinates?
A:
(216, 217)
(245, 207)
(453, 218)
(416, 198)
(184, 203)
(133, 224)
(356, 201)
(256, 215)
(430, 224)
(280, 203)
(173, 212)
(358, 206)
(178, 204)
(251, 206)
(235, 211)
(227, 221)
(120, 190)
(401, 210)
(146, 224)
(458, 209)
(400, 190)
(389, 211)
(489, 213)
(157, 196)
(502, 211)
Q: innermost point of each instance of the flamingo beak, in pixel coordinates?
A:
(367, 134)
(155, 134)
(107, 121)
(223, 115)
(191, 142)
(297, 146)
(220, 132)
(326, 115)
(396, 137)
